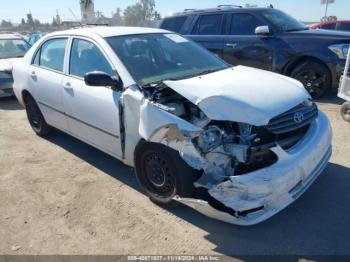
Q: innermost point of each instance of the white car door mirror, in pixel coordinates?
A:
(97, 78)
(263, 31)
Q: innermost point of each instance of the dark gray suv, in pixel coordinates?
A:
(268, 39)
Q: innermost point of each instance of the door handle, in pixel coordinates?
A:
(67, 86)
(232, 45)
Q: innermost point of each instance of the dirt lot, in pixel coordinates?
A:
(61, 196)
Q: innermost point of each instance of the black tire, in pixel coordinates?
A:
(345, 111)
(163, 174)
(35, 117)
(314, 76)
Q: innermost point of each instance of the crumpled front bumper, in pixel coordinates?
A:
(257, 196)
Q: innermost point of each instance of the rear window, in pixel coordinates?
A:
(174, 23)
(208, 25)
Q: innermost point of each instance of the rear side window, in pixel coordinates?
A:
(86, 57)
(343, 26)
(51, 54)
(174, 23)
(244, 24)
(208, 25)
(329, 26)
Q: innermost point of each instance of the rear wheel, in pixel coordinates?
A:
(314, 76)
(345, 111)
(162, 173)
(35, 117)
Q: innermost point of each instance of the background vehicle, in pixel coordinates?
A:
(35, 37)
(180, 116)
(340, 25)
(12, 48)
(268, 39)
(344, 91)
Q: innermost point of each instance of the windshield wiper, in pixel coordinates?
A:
(205, 72)
(297, 29)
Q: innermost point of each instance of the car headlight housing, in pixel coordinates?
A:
(341, 50)
(210, 139)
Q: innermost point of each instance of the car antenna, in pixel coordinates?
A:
(271, 6)
(74, 16)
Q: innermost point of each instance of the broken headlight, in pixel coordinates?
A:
(210, 139)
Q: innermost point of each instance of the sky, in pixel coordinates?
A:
(44, 10)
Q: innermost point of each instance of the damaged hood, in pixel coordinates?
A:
(242, 94)
(7, 64)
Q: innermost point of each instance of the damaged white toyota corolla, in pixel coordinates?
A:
(235, 143)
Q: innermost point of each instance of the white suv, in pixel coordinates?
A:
(235, 143)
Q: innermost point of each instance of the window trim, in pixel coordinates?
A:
(69, 55)
(38, 50)
(198, 20)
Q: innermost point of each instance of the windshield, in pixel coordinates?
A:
(11, 48)
(283, 21)
(152, 58)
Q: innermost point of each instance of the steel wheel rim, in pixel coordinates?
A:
(158, 175)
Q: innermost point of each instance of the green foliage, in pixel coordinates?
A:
(144, 10)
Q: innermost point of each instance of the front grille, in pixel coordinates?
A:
(294, 119)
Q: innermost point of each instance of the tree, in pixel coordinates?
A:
(5, 23)
(117, 18)
(141, 11)
(54, 22)
(23, 22)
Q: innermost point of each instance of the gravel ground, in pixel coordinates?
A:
(61, 196)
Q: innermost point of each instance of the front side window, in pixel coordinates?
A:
(52, 54)
(12, 48)
(244, 24)
(208, 25)
(153, 58)
(86, 57)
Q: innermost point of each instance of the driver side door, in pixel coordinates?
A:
(92, 112)
(243, 47)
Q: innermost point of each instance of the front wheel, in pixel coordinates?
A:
(35, 117)
(162, 173)
(314, 76)
(345, 111)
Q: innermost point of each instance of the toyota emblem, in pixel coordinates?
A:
(299, 117)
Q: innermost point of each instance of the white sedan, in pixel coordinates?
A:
(237, 144)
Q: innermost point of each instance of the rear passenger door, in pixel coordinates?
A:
(92, 112)
(46, 76)
(208, 32)
(243, 47)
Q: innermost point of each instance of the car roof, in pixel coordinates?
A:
(219, 9)
(108, 31)
(10, 36)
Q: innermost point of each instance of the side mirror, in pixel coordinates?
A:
(97, 78)
(263, 31)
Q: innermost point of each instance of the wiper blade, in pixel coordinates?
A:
(297, 29)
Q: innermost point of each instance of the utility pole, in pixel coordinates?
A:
(327, 3)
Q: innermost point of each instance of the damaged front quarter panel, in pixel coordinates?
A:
(160, 126)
